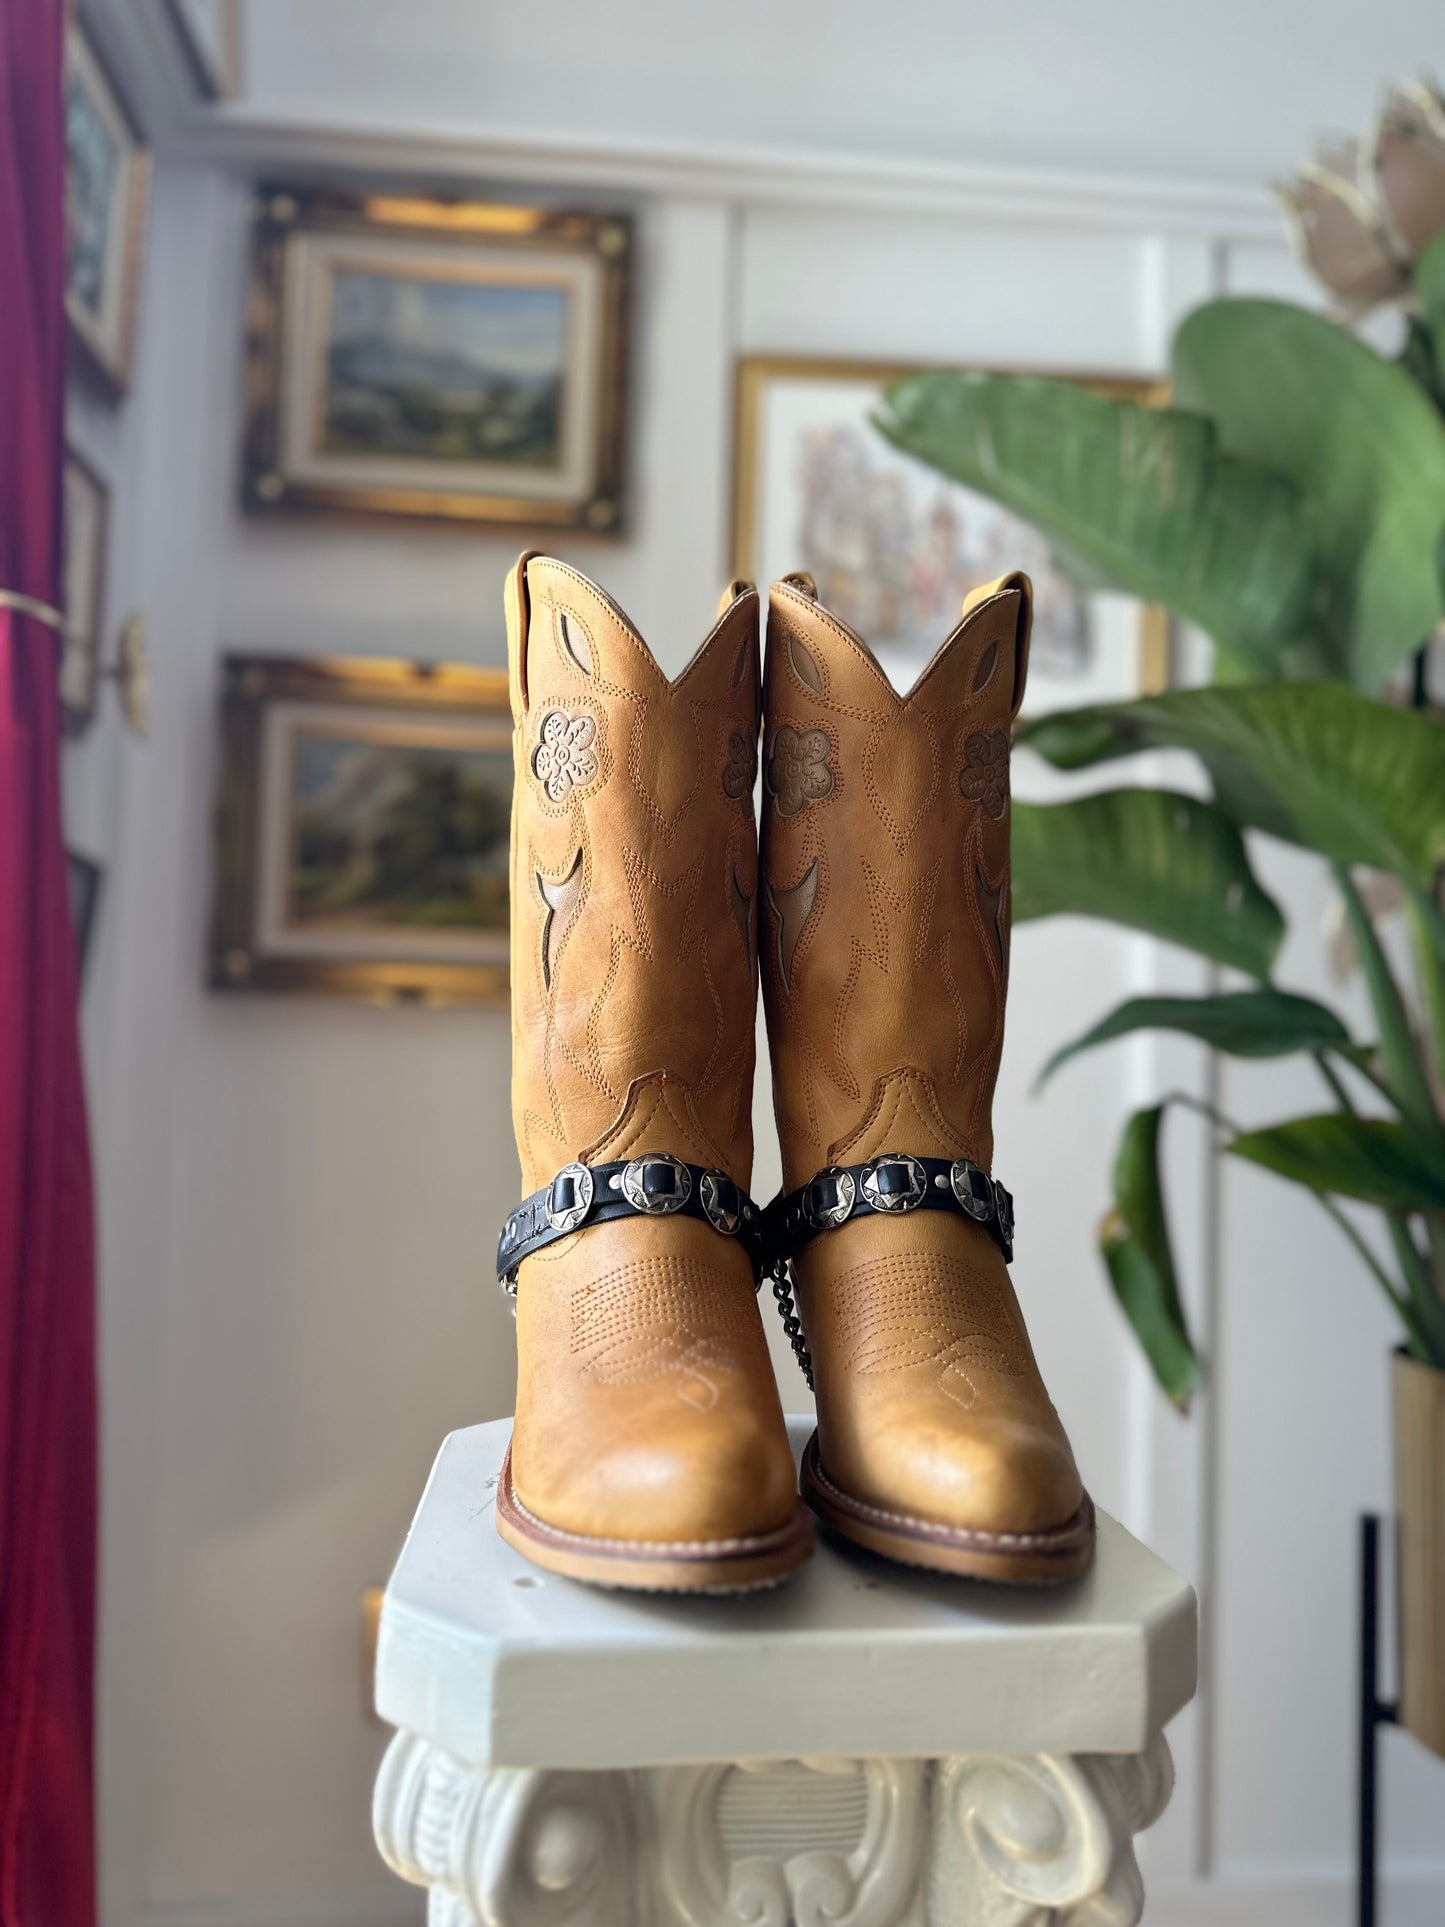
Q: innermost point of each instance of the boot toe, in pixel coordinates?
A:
(1003, 1475)
(691, 1485)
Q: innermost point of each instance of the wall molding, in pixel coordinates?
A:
(243, 137)
(248, 139)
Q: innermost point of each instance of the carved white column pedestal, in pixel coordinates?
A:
(863, 1747)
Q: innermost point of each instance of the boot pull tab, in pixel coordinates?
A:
(986, 591)
(518, 604)
(734, 592)
(803, 583)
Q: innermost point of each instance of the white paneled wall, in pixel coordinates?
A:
(299, 1197)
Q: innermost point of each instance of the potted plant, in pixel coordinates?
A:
(1292, 505)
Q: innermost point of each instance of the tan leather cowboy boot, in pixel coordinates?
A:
(649, 1448)
(885, 937)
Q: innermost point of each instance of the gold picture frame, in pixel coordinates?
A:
(362, 830)
(759, 376)
(453, 360)
(107, 192)
(208, 33)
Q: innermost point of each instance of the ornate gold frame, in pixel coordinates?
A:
(210, 84)
(754, 372)
(283, 211)
(114, 372)
(250, 685)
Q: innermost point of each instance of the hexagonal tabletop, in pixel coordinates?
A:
(503, 1664)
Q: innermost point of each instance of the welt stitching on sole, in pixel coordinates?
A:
(1062, 1538)
(657, 1549)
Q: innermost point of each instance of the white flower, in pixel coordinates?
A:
(1361, 215)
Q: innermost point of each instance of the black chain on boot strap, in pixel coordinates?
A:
(884, 1187)
(582, 1195)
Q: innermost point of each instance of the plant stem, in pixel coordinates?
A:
(1423, 1324)
(1423, 920)
(1204, 1108)
(1332, 1077)
(1429, 1306)
(1417, 1275)
(1419, 1343)
(1410, 1088)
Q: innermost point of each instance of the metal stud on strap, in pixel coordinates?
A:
(889, 1185)
(653, 1185)
(657, 1185)
(894, 1183)
(569, 1197)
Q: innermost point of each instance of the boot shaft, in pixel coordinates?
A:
(634, 881)
(885, 882)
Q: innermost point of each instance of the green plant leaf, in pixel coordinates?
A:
(1315, 763)
(1369, 1158)
(1139, 497)
(1361, 442)
(1134, 1241)
(1167, 864)
(1427, 332)
(1245, 1023)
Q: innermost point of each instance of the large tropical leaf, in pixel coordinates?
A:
(1134, 1241)
(1315, 763)
(1370, 1158)
(1142, 498)
(1245, 1023)
(1362, 444)
(1167, 864)
(1429, 277)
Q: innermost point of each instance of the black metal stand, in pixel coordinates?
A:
(1374, 1713)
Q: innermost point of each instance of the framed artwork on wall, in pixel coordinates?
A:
(86, 527)
(894, 546)
(363, 830)
(409, 357)
(209, 32)
(84, 877)
(107, 185)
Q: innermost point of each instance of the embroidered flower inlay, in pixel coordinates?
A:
(798, 772)
(741, 770)
(984, 776)
(564, 758)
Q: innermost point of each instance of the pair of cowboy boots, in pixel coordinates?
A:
(649, 1448)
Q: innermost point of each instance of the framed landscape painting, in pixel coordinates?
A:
(107, 184)
(894, 546)
(427, 358)
(363, 830)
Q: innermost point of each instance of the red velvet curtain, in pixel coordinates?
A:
(47, 1296)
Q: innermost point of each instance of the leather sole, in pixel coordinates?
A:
(697, 1565)
(1045, 1558)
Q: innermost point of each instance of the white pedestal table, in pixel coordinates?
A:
(863, 1746)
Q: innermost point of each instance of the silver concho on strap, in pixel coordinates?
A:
(827, 1217)
(908, 1183)
(567, 1217)
(657, 1184)
(721, 1202)
(973, 1188)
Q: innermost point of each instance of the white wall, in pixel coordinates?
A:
(1228, 92)
(298, 1198)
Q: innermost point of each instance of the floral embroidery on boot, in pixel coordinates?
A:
(984, 776)
(564, 759)
(798, 772)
